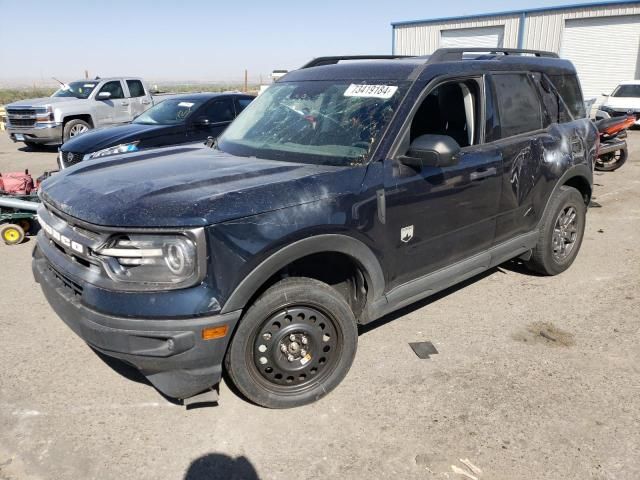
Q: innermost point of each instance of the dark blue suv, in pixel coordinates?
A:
(350, 188)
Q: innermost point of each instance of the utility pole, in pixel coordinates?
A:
(245, 80)
(86, 74)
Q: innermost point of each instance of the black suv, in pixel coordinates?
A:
(350, 188)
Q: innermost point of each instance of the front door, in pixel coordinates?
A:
(219, 113)
(436, 216)
(115, 109)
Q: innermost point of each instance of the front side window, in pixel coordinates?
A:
(518, 104)
(114, 88)
(627, 91)
(169, 112)
(219, 111)
(76, 89)
(136, 89)
(329, 122)
(451, 109)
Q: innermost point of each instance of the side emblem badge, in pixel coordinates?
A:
(406, 234)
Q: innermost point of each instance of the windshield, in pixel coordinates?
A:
(76, 89)
(330, 122)
(627, 91)
(169, 112)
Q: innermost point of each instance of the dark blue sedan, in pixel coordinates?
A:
(176, 120)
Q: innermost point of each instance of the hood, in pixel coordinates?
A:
(623, 103)
(40, 102)
(95, 140)
(180, 187)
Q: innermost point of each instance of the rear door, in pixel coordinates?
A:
(138, 97)
(117, 108)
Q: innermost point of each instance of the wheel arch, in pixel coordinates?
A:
(356, 250)
(579, 177)
(84, 117)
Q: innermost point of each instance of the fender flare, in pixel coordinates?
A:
(581, 171)
(327, 243)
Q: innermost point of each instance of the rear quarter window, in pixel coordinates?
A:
(569, 89)
(518, 105)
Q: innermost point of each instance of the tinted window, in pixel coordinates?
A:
(569, 89)
(219, 110)
(115, 88)
(135, 88)
(627, 91)
(241, 104)
(518, 104)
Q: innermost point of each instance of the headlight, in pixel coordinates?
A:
(166, 261)
(122, 148)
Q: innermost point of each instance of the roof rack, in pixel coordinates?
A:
(453, 54)
(320, 61)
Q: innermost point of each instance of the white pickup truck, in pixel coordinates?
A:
(75, 108)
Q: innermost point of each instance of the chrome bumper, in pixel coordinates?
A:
(44, 133)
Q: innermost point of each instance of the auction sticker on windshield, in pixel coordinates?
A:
(373, 91)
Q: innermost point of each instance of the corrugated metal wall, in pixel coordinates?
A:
(424, 39)
(543, 30)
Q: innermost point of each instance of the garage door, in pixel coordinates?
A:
(472, 37)
(604, 51)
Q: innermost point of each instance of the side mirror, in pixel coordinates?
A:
(432, 151)
(104, 95)
(202, 122)
(606, 94)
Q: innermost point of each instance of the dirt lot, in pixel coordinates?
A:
(536, 378)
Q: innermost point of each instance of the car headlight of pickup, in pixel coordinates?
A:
(150, 260)
(105, 152)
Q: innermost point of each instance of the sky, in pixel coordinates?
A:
(197, 40)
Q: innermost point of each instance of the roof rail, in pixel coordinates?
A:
(317, 62)
(453, 54)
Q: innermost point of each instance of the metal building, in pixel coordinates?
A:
(602, 39)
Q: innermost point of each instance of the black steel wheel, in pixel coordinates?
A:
(294, 344)
(611, 161)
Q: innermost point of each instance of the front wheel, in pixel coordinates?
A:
(294, 345)
(74, 128)
(561, 232)
(611, 161)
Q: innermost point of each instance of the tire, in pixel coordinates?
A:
(294, 345)
(558, 241)
(12, 234)
(73, 128)
(611, 161)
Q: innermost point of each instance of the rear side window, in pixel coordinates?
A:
(518, 105)
(135, 88)
(569, 89)
(219, 110)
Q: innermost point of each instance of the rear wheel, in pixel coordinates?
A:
(611, 161)
(294, 345)
(73, 128)
(561, 232)
(12, 234)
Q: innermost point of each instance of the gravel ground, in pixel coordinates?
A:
(536, 378)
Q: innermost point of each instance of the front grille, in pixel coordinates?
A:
(21, 111)
(22, 122)
(65, 281)
(71, 158)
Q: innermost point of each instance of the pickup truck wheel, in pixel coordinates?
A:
(561, 232)
(73, 128)
(294, 344)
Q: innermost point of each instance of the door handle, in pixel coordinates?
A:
(146, 102)
(480, 174)
(124, 104)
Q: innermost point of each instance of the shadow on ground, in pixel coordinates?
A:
(216, 466)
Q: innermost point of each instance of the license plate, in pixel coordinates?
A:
(19, 137)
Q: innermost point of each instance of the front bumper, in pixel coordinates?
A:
(45, 134)
(170, 353)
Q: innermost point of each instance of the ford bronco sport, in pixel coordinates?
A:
(350, 188)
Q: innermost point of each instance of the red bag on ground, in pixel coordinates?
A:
(17, 183)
